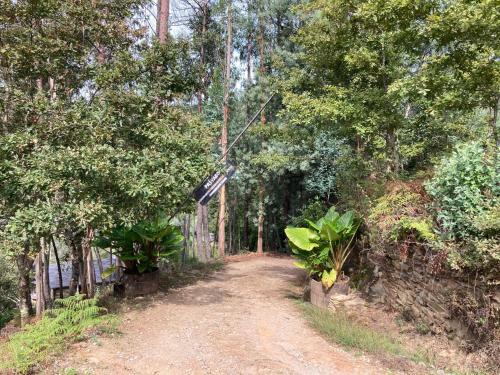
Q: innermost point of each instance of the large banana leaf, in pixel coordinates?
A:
(346, 221)
(303, 238)
(332, 214)
(314, 225)
(328, 232)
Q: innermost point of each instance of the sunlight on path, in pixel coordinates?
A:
(241, 321)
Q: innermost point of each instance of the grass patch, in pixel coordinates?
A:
(339, 328)
(72, 319)
(72, 371)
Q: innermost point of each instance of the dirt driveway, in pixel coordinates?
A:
(242, 320)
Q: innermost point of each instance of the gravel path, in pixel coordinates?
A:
(242, 320)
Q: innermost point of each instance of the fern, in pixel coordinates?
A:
(69, 320)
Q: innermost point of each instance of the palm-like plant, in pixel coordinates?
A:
(323, 248)
(141, 246)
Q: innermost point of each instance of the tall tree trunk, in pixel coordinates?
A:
(184, 241)
(249, 60)
(390, 135)
(230, 228)
(162, 20)
(260, 225)
(199, 233)
(235, 224)
(246, 224)
(52, 89)
(76, 261)
(286, 200)
(187, 233)
(249, 51)
(225, 125)
(203, 83)
(88, 262)
(40, 297)
(392, 150)
(206, 233)
(202, 231)
(494, 130)
(278, 236)
(262, 60)
(99, 265)
(59, 271)
(246, 207)
(267, 232)
(24, 264)
(263, 121)
(82, 280)
(47, 295)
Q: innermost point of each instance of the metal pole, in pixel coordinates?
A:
(247, 126)
(229, 148)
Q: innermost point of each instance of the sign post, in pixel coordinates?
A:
(211, 185)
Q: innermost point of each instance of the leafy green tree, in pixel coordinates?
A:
(373, 71)
(94, 131)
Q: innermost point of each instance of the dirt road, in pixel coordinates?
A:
(243, 320)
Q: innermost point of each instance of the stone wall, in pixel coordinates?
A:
(426, 298)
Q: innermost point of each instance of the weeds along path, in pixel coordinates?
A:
(241, 320)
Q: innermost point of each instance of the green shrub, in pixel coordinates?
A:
(477, 255)
(314, 210)
(70, 320)
(464, 187)
(400, 216)
(420, 227)
(488, 222)
(8, 291)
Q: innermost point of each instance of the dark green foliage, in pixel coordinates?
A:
(324, 165)
(312, 211)
(8, 291)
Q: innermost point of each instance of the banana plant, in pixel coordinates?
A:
(141, 246)
(323, 247)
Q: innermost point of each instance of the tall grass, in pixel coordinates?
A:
(70, 320)
(339, 328)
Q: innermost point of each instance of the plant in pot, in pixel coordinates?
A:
(322, 249)
(141, 248)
